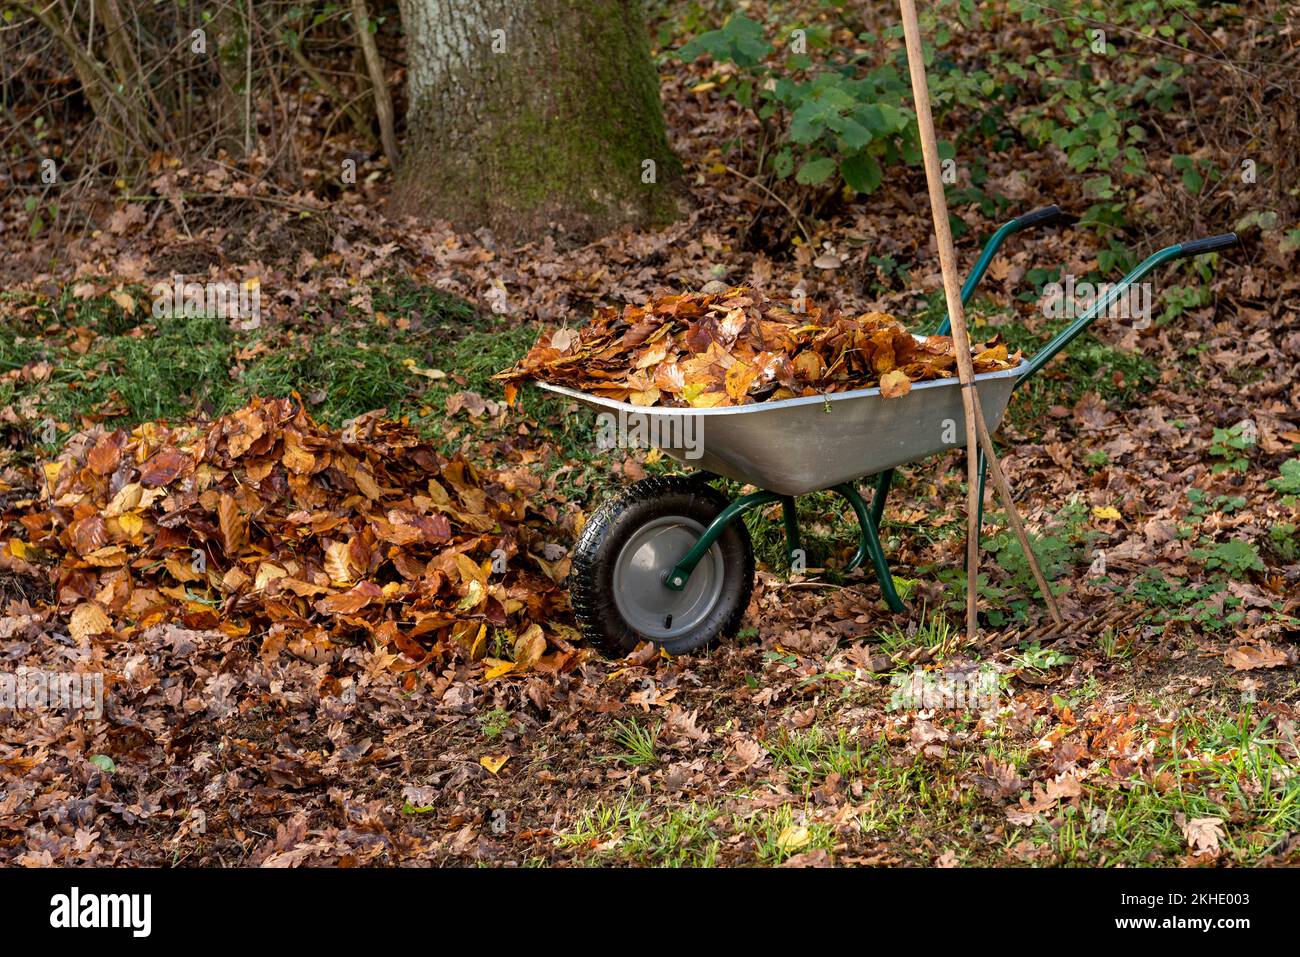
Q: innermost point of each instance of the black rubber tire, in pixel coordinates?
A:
(609, 529)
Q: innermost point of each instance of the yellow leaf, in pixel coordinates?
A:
(478, 646)
(131, 523)
(895, 384)
(475, 594)
(427, 373)
(336, 563)
(127, 498)
(88, 619)
(470, 571)
(234, 579)
(497, 667)
(529, 646)
(1107, 513)
(494, 764)
(21, 550)
(182, 569)
(231, 521)
(793, 838)
(123, 300)
(703, 87)
(107, 557)
(738, 379)
(708, 400)
(267, 573)
(296, 457)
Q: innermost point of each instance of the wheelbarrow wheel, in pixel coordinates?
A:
(625, 551)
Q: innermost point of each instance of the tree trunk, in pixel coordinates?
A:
(530, 114)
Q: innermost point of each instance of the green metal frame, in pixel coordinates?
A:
(981, 267)
(869, 519)
(1076, 328)
(679, 573)
(869, 546)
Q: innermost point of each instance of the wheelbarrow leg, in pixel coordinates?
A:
(791, 517)
(883, 481)
(870, 547)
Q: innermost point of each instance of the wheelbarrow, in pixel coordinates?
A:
(665, 558)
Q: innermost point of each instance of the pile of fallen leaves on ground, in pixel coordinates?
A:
(268, 525)
(737, 347)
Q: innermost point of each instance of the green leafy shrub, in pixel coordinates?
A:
(1230, 446)
(831, 122)
(1236, 557)
(1091, 82)
(1288, 482)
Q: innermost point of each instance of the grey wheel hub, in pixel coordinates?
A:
(649, 606)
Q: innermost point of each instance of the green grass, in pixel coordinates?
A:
(807, 757)
(1169, 598)
(828, 531)
(1089, 365)
(934, 631)
(1217, 762)
(131, 368)
(1231, 766)
(640, 745)
(778, 835)
(178, 367)
(827, 527)
(1061, 547)
(632, 832)
(689, 835)
(107, 366)
(917, 798)
(404, 297)
(1234, 767)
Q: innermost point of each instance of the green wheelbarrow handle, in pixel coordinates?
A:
(1039, 217)
(1194, 247)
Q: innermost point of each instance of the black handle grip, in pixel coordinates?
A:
(1209, 244)
(1039, 217)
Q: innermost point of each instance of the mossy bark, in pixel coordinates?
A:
(528, 116)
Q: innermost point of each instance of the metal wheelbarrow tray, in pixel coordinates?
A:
(664, 559)
(797, 446)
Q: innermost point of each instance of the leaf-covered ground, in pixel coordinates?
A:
(331, 685)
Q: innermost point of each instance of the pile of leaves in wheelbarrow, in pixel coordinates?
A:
(268, 525)
(737, 347)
